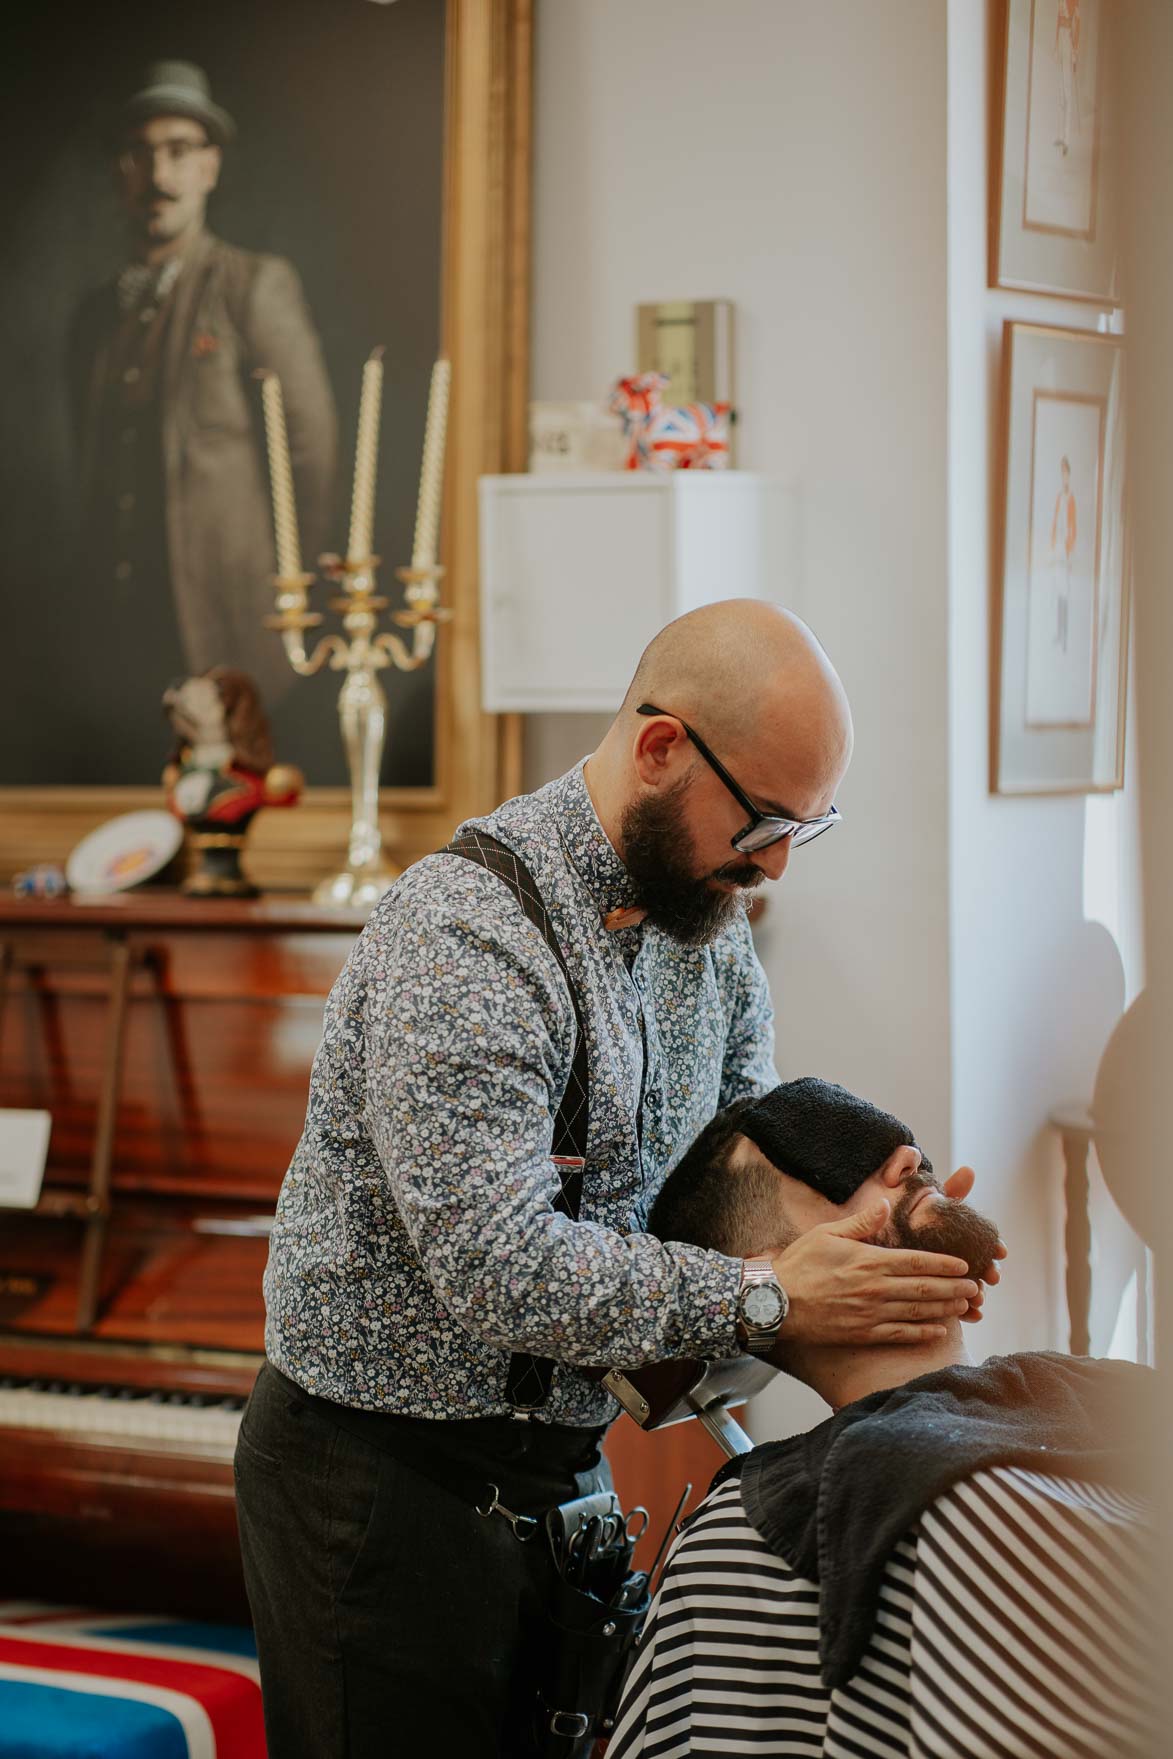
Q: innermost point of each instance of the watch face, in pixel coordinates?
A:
(762, 1305)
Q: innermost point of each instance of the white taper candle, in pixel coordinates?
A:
(427, 518)
(281, 479)
(366, 459)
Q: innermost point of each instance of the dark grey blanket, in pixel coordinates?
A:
(835, 1502)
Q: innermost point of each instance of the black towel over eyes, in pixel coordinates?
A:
(823, 1135)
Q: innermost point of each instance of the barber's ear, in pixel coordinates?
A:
(660, 746)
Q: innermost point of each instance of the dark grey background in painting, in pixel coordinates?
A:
(337, 166)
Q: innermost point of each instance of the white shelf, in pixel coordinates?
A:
(578, 572)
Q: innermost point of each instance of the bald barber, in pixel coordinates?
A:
(422, 1280)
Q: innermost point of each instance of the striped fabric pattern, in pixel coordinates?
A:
(78, 1683)
(1010, 1626)
(1050, 1653)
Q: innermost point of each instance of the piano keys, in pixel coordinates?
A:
(111, 1416)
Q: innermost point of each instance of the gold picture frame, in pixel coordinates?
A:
(484, 331)
(1059, 646)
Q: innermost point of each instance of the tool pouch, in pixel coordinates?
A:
(588, 1645)
(588, 1652)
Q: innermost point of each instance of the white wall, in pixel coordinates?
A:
(791, 157)
(1036, 989)
(799, 160)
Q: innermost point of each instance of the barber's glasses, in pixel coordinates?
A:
(764, 828)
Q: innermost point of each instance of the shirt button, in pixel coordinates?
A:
(129, 436)
(130, 376)
(126, 502)
(146, 315)
(123, 571)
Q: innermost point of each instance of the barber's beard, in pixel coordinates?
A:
(658, 852)
(941, 1226)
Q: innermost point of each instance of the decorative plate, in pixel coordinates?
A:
(124, 852)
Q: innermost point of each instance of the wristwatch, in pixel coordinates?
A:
(762, 1305)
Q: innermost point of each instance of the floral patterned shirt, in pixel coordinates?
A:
(415, 1245)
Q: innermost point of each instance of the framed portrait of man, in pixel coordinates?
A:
(1061, 638)
(1054, 215)
(202, 198)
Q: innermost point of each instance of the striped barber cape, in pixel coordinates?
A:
(76, 1683)
(1013, 1624)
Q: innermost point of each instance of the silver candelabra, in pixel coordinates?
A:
(361, 652)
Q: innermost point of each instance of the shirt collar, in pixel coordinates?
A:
(141, 281)
(591, 851)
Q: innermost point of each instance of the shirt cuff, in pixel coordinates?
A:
(708, 1303)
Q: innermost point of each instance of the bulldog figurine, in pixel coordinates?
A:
(692, 436)
(221, 773)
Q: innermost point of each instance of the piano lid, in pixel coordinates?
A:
(172, 1284)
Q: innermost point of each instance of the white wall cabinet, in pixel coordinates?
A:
(579, 572)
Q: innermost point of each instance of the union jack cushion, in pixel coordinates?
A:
(108, 1686)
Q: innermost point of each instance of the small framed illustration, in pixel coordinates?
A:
(1053, 222)
(1060, 642)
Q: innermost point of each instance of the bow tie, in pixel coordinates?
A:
(628, 916)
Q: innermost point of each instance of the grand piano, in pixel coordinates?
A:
(171, 1041)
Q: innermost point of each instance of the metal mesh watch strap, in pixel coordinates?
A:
(756, 1273)
(528, 1382)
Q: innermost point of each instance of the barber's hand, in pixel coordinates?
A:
(958, 1186)
(844, 1291)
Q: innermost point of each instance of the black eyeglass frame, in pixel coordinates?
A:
(749, 840)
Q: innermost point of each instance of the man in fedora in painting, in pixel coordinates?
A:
(178, 528)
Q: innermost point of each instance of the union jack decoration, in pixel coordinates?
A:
(692, 436)
(73, 1681)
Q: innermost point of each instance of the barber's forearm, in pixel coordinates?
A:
(583, 1294)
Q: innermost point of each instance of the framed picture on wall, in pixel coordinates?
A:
(1060, 642)
(133, 477)
(1053, 225)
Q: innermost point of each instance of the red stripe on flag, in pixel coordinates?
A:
(231, 1701)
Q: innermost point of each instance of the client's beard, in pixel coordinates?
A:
(658, 853)
(950, 1227)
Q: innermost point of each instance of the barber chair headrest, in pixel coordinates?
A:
(671, 1392)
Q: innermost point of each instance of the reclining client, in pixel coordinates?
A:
(955, 1563)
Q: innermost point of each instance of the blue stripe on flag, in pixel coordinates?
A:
(228, 1639)
(46, 1722)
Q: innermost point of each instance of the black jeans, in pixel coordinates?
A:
(391, 1619)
